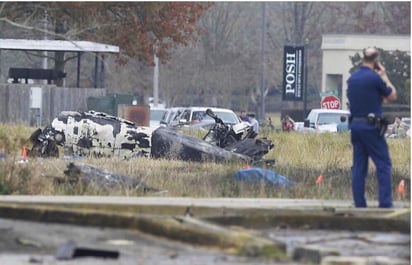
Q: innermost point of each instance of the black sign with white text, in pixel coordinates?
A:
(293, 73)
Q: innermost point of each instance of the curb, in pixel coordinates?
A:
(182, 228)
(330, 260)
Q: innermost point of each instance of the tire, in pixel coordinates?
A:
(59, 138)
(168, 143)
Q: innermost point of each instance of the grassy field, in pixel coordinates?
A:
(300, 157)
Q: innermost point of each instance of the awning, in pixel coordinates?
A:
(78, 47)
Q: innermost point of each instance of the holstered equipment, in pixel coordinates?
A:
(381, 124)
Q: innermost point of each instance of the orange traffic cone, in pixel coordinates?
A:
(401, 187)
(319, 180)
(24, 152)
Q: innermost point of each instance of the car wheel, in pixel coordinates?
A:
(59, 137)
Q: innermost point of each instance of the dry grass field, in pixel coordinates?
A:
(300, 157)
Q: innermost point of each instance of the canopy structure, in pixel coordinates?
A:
(78, 47)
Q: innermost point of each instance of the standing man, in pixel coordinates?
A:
(368, 88)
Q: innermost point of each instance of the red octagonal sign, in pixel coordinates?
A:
(330, 102)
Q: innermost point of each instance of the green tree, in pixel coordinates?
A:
(398, 66)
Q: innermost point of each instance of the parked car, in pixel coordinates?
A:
(156, 115)
(192, 115)
(325, 120)
(170, 115)
(406, 120)
(299, 126)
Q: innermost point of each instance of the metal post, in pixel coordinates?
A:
(102, 76)
(305, 94)
(96, 63)
(156, 81)
(262, 74)
(45, 54)
(78, 69)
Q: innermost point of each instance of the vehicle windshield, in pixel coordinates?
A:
(156, 114)
(328, 118)
(226, 117)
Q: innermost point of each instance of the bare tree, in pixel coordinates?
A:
(224, 61)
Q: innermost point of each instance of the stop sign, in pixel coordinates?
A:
(330, 102)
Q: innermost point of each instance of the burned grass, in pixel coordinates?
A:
(299, 157)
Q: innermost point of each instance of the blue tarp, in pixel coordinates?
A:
(259, 175)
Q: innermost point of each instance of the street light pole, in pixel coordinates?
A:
(305, 94)
(156, 81)
(262, 74)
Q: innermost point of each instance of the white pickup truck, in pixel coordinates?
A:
(325, 120)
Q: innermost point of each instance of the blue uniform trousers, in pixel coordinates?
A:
(366, 143)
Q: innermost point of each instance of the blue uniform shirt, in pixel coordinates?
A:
(365, 91)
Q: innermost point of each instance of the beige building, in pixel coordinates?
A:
(337, 49)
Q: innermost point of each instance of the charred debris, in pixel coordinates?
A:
(98, 134)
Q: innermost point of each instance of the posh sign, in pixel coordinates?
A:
(293, 73)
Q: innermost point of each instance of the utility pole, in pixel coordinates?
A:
(262, 58)
(156, 81)
(45, 64)
(305, 95)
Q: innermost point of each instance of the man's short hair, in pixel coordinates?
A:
(370, 55)
(342, 118)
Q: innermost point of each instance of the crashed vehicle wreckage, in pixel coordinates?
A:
(91, 134)
(101, 135)
(222, 142)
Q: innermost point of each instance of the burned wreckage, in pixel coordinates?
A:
(91, 134)
(101, 135)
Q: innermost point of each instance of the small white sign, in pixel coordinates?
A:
(36, 97)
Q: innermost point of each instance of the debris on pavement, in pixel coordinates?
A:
(24, 241)
(69, 250)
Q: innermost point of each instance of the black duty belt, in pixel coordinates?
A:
(364, 119)
(380, 123)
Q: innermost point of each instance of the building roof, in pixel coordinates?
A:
(56, 45)
(357, 42)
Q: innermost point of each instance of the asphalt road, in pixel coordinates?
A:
(24, 242)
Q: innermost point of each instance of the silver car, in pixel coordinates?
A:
(193, 115)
